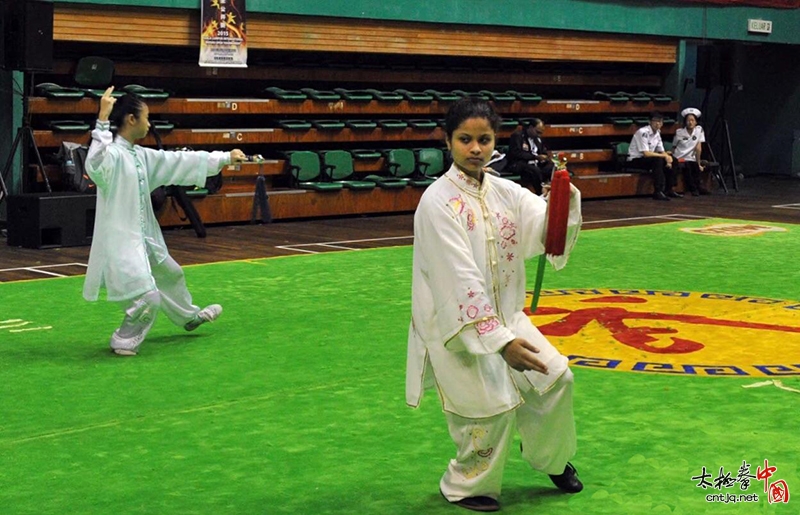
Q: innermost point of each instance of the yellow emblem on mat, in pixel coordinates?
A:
(673, 332)
(733, 229)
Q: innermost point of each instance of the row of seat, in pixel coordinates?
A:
(333, 170)
(621, 97)
(301, 125)
(397, 95)
(638, 120)
(53, 90)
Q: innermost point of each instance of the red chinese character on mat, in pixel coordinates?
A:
(778, 492)
(765, 474)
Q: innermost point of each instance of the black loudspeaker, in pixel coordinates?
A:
(29, 35)
(719, 65)
(731, 62)
(46, 220)
(707, 75)
(3, 34)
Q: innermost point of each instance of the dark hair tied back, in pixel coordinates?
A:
(129, 103)
(466, 108)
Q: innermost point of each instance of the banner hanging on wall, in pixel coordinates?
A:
(223, 38)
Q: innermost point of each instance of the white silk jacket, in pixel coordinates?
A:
(471, 241)
(125, 229)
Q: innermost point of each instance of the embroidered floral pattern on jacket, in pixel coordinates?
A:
(457, 204)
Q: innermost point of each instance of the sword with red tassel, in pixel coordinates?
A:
(557, 217)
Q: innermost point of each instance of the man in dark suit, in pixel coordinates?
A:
(528, 157)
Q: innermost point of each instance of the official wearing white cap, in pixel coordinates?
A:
(687, 149)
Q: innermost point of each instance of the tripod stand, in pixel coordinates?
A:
(24, 135)
(728, 163)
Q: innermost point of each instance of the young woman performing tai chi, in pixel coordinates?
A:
(129, 256)
(469, 337)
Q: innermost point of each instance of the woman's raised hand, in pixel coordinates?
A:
(106, 104)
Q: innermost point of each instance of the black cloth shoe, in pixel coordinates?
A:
(695, 193)
(477, 503)
(659, 196)
(674, 194)
(568, 480)
(703, 191)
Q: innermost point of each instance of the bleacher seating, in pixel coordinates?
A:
(327, 124)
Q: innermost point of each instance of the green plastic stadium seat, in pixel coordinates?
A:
(509, 124)
(338, 169)
(640, 120)
(385, 96)
(614, 98)
(304, 167)
(386, 183)
(366, 154)
(52, 90)
(401, 163)
(146, 93)
(196, 192)
(412, 96)
(525, 97)
(669, 121)
(162, 125)
(423, 124)
(497, 96)
(621, 158)
(328, 125)
(285, 95)
(360, 124)
(430, 163)
(620, 120)
(656, 97)
(640, 98)
(355, 95)
(393, 124)
(326, 96)
(443, 96)
(462, 93)
(69, 126)
(294, 125)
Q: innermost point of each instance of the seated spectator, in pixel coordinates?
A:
(497, 163)
(528, 157)
(647, 151)
(687, 147)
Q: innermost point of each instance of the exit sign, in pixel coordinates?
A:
(761, 26)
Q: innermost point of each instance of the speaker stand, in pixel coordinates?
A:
(721, 124)
(24, 136)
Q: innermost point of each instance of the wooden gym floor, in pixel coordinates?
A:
(761, 199)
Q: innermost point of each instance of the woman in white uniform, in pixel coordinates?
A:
(687, 148)
(469, 337)
(129, 256)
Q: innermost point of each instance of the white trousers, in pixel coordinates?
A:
(170, 296)
(546, 427)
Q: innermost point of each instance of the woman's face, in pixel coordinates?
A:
(691, 122)
(141, 125)
(471, 145)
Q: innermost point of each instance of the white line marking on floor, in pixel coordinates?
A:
(291, 248)
(16, 324)
(43, 266)
(656, 217)
(31, 329)
(45, 272)
(787, 206)
(335, 246)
